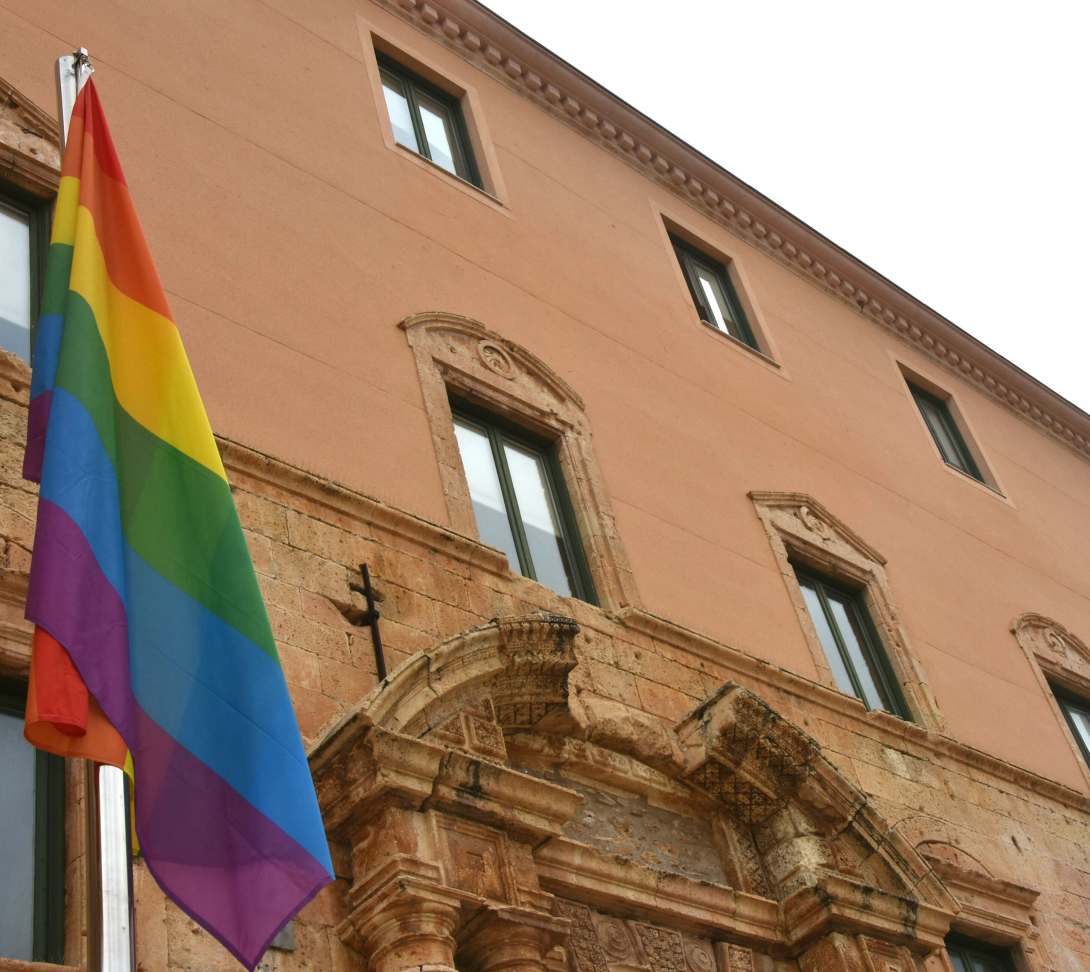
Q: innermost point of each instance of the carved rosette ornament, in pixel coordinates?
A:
(495, 359)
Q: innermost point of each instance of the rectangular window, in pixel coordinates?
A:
(944, 430)
(519, 501)
(427, 120)
(31, 840)
(24, 233)
(851, 643)
(713, 292)
(969, 956)
(1077, 712)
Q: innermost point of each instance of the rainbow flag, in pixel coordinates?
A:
(151, 632)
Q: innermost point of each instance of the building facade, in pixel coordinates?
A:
(734, 604)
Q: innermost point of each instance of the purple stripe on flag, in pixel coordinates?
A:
(37, 421)
(71, 598)
(223, 862)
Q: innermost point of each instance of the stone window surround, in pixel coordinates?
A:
(801, 528)
(990, 909)
(460, 355)
(733, 257)
(494, 191)
(912, 374)
(1057, 657)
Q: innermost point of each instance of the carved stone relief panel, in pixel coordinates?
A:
(605, 943)
(474, 859)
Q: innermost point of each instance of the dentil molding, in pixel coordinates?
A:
(498, 49)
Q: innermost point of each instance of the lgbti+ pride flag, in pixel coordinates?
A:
(141, 573)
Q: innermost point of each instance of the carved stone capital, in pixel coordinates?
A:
(510, 940)
(406, 924)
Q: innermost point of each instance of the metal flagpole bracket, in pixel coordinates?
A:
(73, 70)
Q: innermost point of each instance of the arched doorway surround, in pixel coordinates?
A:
(498, 821)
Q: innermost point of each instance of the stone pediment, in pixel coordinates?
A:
(30, 154)
(731, 822)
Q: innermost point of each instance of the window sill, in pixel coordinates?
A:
(18, 965)
(979, 483)
(464, 185)
(741, 345)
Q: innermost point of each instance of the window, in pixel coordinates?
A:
(519, 501)
(713, 293)
(944, 430)
(23, 240)
(31, 840)
(851, 643)
(1077, 712)
(427, 120)
(969, 956)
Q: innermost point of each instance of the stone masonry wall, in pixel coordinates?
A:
(308, 536)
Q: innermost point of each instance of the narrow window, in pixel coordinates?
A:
(969, 956)
(427, 120)
(23, 239)
(944, 430)
(1077, 712)
(851, 643)
(713, 293)
(31, 840)
(519, 501)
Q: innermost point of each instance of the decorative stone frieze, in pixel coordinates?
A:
(461, 356)
(800, 528)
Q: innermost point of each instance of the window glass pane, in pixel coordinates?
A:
(539, 519)
(854, 640)
(15, 282)
(439, 131)
(938, 423)
(825, 634)
(957, 962)
(716, 300)
(16, 841)
(1080, 718)
(489, 508)
(400, 116)
(987, 963)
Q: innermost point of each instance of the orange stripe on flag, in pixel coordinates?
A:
(62, 717)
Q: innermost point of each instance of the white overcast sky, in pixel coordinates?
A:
(942, 143)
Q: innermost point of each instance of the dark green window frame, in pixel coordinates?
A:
(48, 837)
(38, 211)
(497, 430)
(944, 430)
(415, 85)
(888, 686)
(1068, 700)
(690, 259)
(969, 955)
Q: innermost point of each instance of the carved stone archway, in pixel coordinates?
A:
(498, 821)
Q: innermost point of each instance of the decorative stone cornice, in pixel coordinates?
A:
(511, 57)
(30, 153)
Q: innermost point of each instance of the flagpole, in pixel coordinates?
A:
(110, 944)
